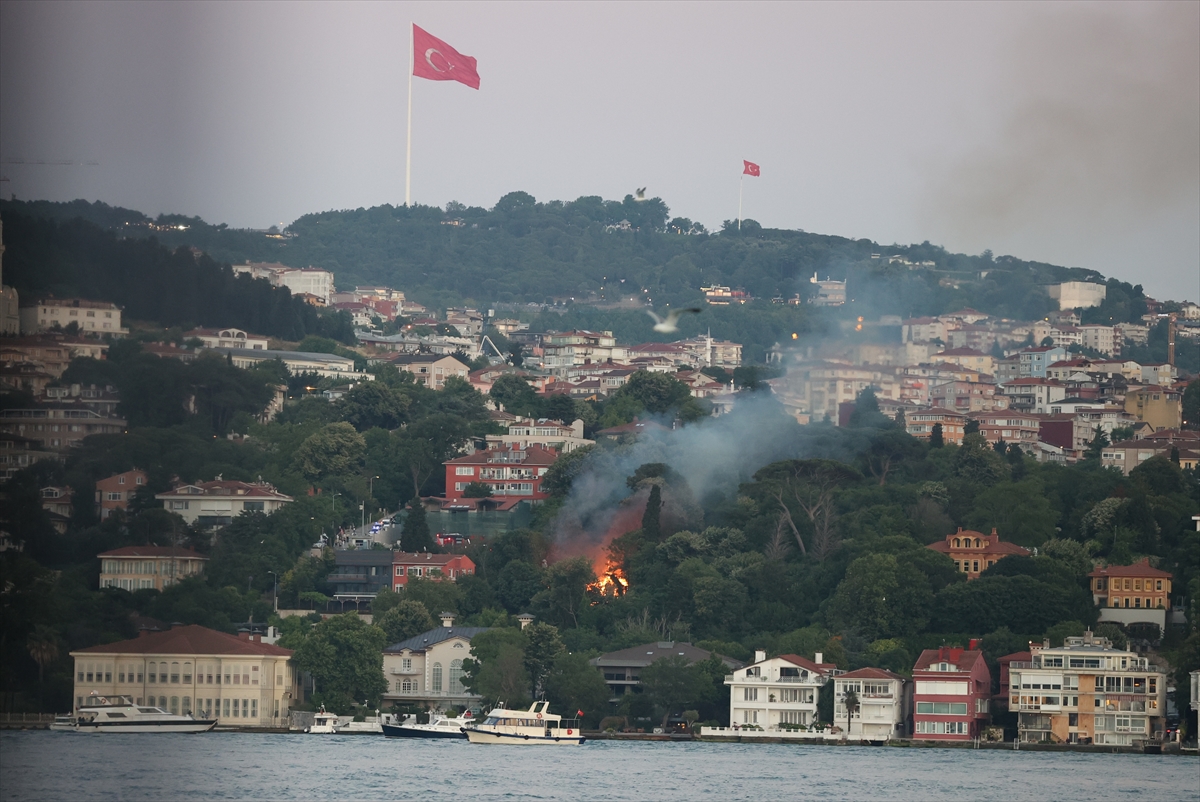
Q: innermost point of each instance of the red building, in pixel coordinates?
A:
(438, 567)
(951, 689)
(509, 471)
(114, 492)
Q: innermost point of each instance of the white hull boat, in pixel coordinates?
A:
(536, 726)
(439, 726)
(323, 723)
(120, 714)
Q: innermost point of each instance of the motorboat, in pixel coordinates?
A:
(535, 726)
(323, 723)
(439, 726)
(64, 724)
(120, 714)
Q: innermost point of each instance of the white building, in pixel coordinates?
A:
(1077, 294)
(307, 280)
(883, 703)
(228, 338)
(426, 669)
(782, 690)
(95, 317)
(1105, 339)
(218, 502)
(549, 433)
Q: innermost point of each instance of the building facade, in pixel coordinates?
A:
(951, 690)
(974, 552)
(883, 700)
(148, 567)
(91, 317)
(114, 492)
(506, 470)
(780, 691)
(217, 503)
(427, 669)
(228, 338)
(431, 370)
(237, 679)
(1132, 594)
(406, 565)
(622, 669)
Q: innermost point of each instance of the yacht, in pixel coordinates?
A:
(64, 724)
(535, 726)
(120, 714)
(439, 726)
(323, 723)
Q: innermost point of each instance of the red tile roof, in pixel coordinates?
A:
(955, 655)
(804, 662)
(188, 640)
(1141, 568)
(870, 673)
(154, 551)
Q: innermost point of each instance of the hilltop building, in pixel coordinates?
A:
(217, 503)
(148, 567)
(974, 552)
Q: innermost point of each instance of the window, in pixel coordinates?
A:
(226, 676)
(175, 705)
(254, 506)
(791, 717)
(406, 664)
(437, 678)
(139, 676)
(175, 673)
(749, 694)
(942, 708)
(253, 708)
(226, 708)
(153, 669)
(235, 708)
(187, 705)
(749, 716)
(187, 673)
(121, 676)
(464, 471)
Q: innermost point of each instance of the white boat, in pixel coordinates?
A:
(439, 726)
(120, 714)
(536, 726)
(323, 723)
(64, 724)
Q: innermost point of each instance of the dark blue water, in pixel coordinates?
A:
(67, 766)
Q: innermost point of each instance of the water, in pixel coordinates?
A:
(219, 766)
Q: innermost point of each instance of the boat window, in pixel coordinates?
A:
(147, 710)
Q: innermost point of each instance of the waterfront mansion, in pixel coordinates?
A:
(781, 690)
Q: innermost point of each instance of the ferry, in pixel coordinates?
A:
(536, 726)
(120, 714)
(439, 726)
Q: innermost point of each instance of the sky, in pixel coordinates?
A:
(1061, 132)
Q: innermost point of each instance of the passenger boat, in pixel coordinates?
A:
(323, 723)
(439, 726)
(120, 714)
(536, 726)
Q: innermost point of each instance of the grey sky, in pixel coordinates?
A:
(1068, 133)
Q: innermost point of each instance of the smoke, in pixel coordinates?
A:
(1101, 131)
(713, 455)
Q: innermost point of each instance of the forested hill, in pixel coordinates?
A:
(522, 250)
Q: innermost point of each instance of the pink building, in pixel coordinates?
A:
(951, 689)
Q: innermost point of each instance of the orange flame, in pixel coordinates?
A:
(611, 581)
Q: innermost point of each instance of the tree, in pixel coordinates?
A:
(415, 537)
(336, 450)
(880, 597)
(811, 485)
(651, 532)
(477, 490)
(373, 404)
(516, 584)
(850, 701)
(542, 648)
(514, 394)
(1096, 446)
(671, 683)
(43, 648)
(564, 596)
(345, 657)
(976, 462)
(406, 619)
(574, 684)
(935, 436)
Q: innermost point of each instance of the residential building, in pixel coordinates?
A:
(468, 321)
(565, 349)
(1087, 692)
(58, 427)
(431, 370)
(424, 565)
(1021, 428)
(1034, 361)
(1161, 407)
(632, 430)
(622, 669)
(1128, 454)
(1031, 394)
(57, 502)
(883, 703)
(228, 338)
(360, 573)
(217, 503)
(920, 424)
(712, 353)
(18, 453)
(974, 552)
(51, 352)
(325, 365)
(426, 669)
(817, 388)
(1077, 294)
(968, 358)
(968, 397)
(829, 292)
(114, 492)
(300, 280)
(90, 317)
(507, 470)
(781, 690)
(148, 567)
(1132, 594)
(237, 679)
(550, 434)
(719, 295)
(952, 687)
(923, 330)
(1104, 339)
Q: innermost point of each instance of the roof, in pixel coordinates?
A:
(992, 543)
(804, 662)
(534, 455)
(419, 643)
(427, 558)
(871, 673)
(961, 352)
(422, 359)
(191, 639)
(634, 427)
(1016, 657)
(154, 551)
(963, 658)
(1141, 568)
(226, 487)
(647, 653)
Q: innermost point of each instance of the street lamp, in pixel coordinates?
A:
(275, 592)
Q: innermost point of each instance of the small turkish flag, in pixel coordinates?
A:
(751, 168)
(438, 61)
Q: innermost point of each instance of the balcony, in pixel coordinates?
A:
(404, 671)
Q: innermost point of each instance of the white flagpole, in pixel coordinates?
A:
(740, 183)
(408, 155)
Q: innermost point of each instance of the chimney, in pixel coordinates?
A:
(256, 637)
(819, 658)
(447, 619)
(759, 655)
(526, 619)
(973, 644)
(243, 634)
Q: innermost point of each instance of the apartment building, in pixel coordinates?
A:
(426, 669)
(952, 687)
(228, 338)
(408, 565)
(148, 567)
(507, 470)
(1021, 428)
(553, 434)
(431, 370)
(217, 503)
(1132, 594)
(90, 317)
(114, 492)
(920, 424)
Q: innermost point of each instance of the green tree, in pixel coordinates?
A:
(373, 404)
(477, 490)
(935, 436)
(336, 450)
(651, 532)
(542, 647)
(345, 657)
(415, 537)
(1096, 446)
(574, 684)
(850, 702)
(977, 462)
(514, 394)
(880, 597)
(564, 597)
(406, 619)
(672, 684)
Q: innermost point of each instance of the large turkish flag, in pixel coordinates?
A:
(438, 61)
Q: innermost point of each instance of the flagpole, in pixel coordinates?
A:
(740, 184)
(408, 154)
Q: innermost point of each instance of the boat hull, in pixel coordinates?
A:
(146, 726)
(480, 736)
(397, 731)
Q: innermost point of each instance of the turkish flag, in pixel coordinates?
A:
(751, 168)
(438, 61)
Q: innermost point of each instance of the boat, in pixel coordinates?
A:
(120, 714)
(64, 724)
(439, 726)
(323, 723)
(536, 726)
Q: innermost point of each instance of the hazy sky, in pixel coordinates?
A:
(1065, 132)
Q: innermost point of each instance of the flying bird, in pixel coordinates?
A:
(671, 322)
(640, 194)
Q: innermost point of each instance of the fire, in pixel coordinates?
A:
(611, 582)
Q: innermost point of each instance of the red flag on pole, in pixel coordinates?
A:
(438, 61)
(751, 168)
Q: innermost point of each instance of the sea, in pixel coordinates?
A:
(43, 765)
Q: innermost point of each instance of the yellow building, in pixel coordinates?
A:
(148, 567)
(1160, 407)
(237, 679)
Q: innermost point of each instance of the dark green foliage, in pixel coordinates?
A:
(415, 536)
(935, 436)
(1021, 603)
(345, 657)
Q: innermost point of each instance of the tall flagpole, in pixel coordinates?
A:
(740, 183)
(408, 155)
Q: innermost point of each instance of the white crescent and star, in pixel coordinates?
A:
(429, 60)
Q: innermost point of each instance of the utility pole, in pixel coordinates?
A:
(275, 592)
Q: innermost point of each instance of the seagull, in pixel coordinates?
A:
(640, 194)
(670, 323)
